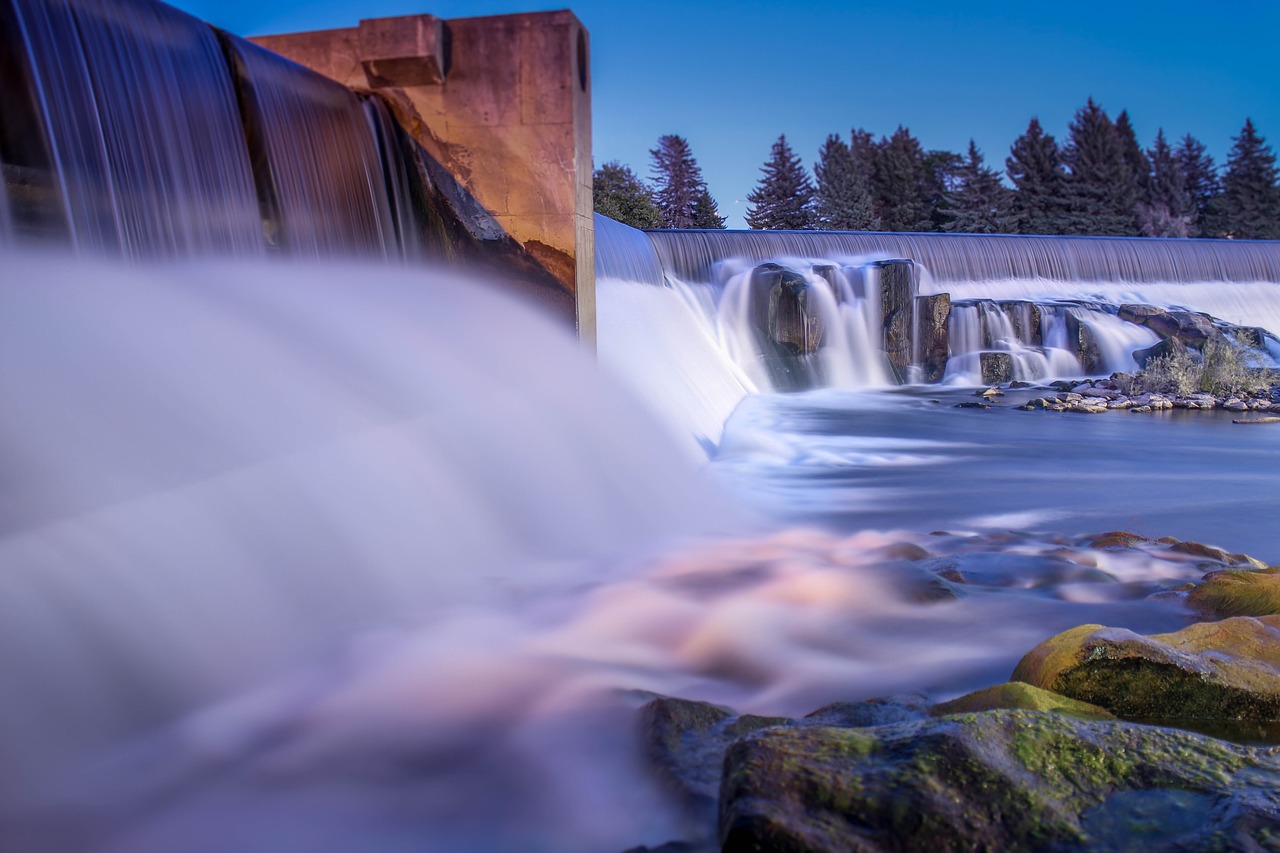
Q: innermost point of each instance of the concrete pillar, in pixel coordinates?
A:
(503, 103)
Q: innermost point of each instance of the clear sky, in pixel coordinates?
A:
(730, 77)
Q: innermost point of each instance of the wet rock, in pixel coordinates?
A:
(1228, 670)
(1190, 328)
(786, 308)
(881, 711)
(1014, 695)
(933, 346)
(999, 780)
(972, 404)
(897, 299)
(684, 743)
(1267, 420)
(1084, 345)
(1117, 539)
(996, 367)
(1209, 552)
(1236, 592)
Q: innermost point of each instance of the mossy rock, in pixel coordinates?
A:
(1017, 695)
(1209, 552)
(1235, 592)
(998, 780)
(1117, 539)
(1228, 670)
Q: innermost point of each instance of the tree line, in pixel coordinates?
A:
(1098, 182)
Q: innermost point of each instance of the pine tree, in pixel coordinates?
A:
(1035, 167)
(842, 199)
(1250, 198)
(902, 183)
(705, 212)
(1166, 210)
(942, 179)
(783, 199)
(1135, 159)
(679, 185)
(979, 203)
(1101, 190)
(865, 152)
(619, 194)
(1200, 177)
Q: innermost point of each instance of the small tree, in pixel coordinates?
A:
(783, 199)
(679, 185)
(619, 194)
(980, 203)
(842, 200)
(1035, 167)
(1250, 198)
(705, 212)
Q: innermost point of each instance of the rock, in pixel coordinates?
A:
(933, 346)
(1083, 345)
(1228, 670)
(1162, 349)
(1268, 420)
(881, 711)
(1188, 327)
(1015, 695)
(972, 404)
(1003, 780)
(1209, 552)
(787, 317)
(996, 367)
(1236, 592)
(1018, 385)
(1025, 317)
(1141, 409)
(897, 299)
(1117, 539)
(684, 742)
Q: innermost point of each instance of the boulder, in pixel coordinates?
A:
(1228, 670)
(897, 299)
(1236, 592)
(1025, 317)
(1083, 345)
(996, 367)
(784, 309)
(1000, 780)
(1166, 348)
(933, 314)
(1189, 327)
(1014, 695)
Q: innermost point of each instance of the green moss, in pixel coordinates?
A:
(1019, 695)
(1235, 592)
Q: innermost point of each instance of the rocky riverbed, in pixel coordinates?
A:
(1099, 738)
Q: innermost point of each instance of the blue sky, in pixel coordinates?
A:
(730, 77)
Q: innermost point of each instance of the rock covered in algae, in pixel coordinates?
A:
(1228, 670)
(1236, 592)
(1016, 695)
(999, 780)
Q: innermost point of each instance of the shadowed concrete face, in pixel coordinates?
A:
(504, 103)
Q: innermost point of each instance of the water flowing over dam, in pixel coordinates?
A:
(883, 309)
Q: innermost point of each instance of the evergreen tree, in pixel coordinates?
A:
(783, 199)
(979, 202)
(842, 199)
(705, 212)
(1166, 211)
(865, 152)
(680, 187)
(903, 183)
(1200, 177)
(942, 179)
(1101, 189)
(1250, 198)
(619, 194)
(1035, 167)
(1135, 159)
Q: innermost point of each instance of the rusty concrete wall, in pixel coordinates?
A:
(504, 103)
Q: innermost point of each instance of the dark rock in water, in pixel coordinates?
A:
(996, 781)
(684, 742)
(996, 367)
(1015, 695)
(1117, 539)
(1018, 385)
(1166, 348)
(1187, 327)
(1228, 670)
(881, 711)
(1025, 317)
(972, 404)
(1251, 336)
(1237, 592)
(897, 299)
(1209, 552)
(784, 311)
(933, 342)
(1083, 345)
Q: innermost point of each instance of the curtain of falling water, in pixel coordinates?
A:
(980, 257)
(144, 139)
(316, 158)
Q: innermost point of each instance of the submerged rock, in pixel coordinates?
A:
(1228, 670)
(999, 780)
